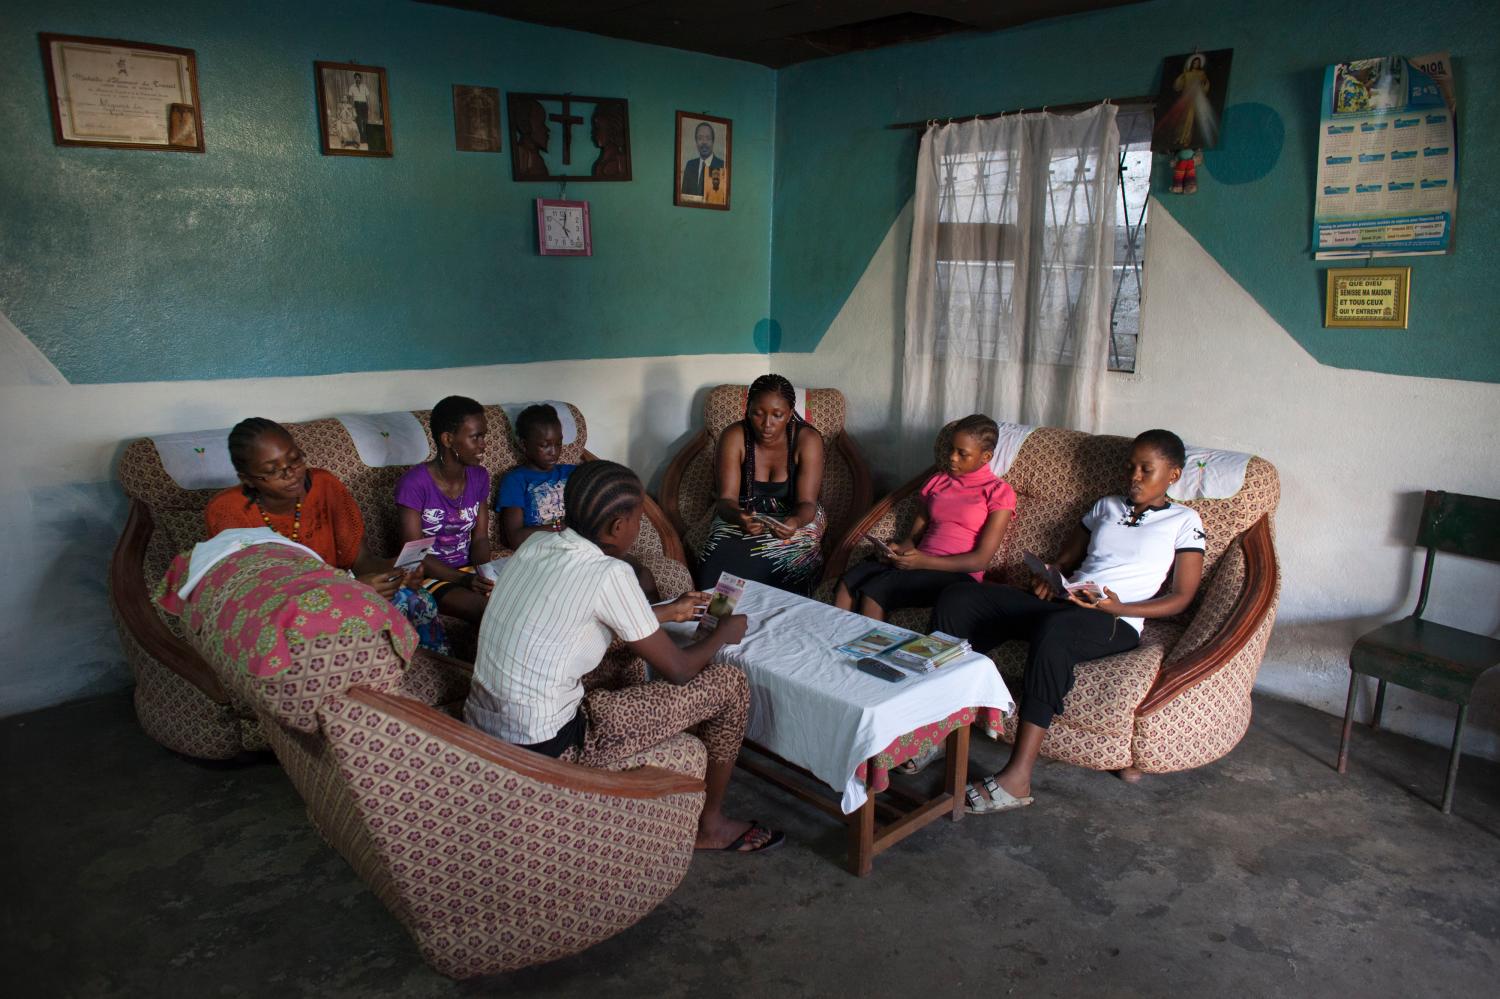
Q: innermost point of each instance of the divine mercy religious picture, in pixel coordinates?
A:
(567, 137)
(1190, 104)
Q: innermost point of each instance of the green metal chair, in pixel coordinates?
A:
(1422, 655)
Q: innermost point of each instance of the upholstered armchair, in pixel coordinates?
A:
(1181, 699)
(492, 857)
(169, 480)
(688, 488)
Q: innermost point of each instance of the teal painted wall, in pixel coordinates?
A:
(264, 257)
(842, 176)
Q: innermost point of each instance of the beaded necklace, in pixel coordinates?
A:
(296, 520)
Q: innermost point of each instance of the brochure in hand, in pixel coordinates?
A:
(1054, 578)
(413, 552)
(726, 594)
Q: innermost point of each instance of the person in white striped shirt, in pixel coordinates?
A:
(552, 615)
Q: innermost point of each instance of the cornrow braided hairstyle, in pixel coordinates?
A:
(761, 386)
(449, 415)
(242, 438)
(596, 493)
(981, 428)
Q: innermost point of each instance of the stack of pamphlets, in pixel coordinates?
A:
(926, 653)
(726, 594)
(875, 641)
(905, 650)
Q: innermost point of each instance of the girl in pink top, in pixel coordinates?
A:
(965, 510)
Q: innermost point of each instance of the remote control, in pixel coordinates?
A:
(875, 667)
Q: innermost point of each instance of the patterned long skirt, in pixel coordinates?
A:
(793, 564)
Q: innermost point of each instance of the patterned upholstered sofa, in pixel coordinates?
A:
(687, 490)
(178, 699)
(1182, 698)
(491, 856)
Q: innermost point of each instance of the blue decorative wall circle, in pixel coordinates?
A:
(767, 336)
(1250, 144)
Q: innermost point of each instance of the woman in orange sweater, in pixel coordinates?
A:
(312, 507)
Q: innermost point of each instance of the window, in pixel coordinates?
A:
(1130, 237)
(977, 246)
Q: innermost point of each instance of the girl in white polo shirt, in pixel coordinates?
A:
(1146, 555)
(560, 601)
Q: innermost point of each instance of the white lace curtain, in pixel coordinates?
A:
(1009, 284)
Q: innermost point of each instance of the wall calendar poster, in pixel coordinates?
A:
(1387, 180)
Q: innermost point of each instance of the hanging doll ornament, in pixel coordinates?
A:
(1185, 171)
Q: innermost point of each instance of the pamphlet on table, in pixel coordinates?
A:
(903, 649)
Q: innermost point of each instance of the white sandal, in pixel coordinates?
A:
(1000, 800)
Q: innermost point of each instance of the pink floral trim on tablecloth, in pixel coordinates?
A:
(914, 743)
(267, 608)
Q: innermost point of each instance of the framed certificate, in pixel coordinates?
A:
(125, 95)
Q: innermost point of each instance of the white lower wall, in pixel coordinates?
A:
(1354, 450)
(62, 510)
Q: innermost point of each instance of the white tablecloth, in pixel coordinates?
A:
(809, 705)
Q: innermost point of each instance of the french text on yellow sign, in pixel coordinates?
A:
(1368, 297)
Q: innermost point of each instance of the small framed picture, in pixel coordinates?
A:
(1367, 298)
(354, 109)
(562, 228)
(126, 95)
(476, 119)
(703, 163)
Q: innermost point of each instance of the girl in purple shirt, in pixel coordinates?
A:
(447, 499)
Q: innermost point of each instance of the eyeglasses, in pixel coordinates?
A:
(287, 471)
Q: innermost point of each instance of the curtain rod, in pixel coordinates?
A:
(1060, 108)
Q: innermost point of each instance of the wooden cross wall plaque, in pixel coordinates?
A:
(544, 145)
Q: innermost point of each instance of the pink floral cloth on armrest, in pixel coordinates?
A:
(261, 610)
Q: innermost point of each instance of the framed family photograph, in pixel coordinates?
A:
(354, 109)
(476, 119)
(703, 165)
(126, 95)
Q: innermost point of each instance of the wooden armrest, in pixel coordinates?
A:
(838, 562)
(641, 782)
(666, 528)
(671, 482)
(132, 599)
(1262, 580)
(863, 489)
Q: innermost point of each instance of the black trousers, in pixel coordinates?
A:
(894, 589)
(1061, 636)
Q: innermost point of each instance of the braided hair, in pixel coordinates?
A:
(981, 428)
(448, 417)
(242, 438)
(769, 384)
(597, 492)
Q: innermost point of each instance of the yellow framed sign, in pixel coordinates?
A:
(1367, 297)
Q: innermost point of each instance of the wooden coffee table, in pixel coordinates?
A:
(828, 733)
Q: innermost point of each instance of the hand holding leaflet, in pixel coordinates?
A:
(1053, 577)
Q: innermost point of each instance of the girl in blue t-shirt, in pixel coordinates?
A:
(531, 495)
(444, 499)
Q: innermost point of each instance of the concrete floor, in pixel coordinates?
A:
(133, 872)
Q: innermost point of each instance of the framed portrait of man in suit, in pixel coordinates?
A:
(703, 167)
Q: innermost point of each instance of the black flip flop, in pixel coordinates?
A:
(777, 838)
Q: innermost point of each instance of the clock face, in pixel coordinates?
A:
(564, 228)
